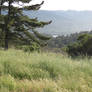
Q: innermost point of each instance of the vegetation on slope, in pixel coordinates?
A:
(83, 46)
(44, 72)
(64, 40)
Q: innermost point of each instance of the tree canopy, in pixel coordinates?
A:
(15, 25)
(83, 46)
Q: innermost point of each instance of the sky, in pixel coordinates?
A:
(65, 4)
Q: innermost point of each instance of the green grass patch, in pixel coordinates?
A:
(44, 72)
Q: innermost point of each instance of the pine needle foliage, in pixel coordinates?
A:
(15, 26)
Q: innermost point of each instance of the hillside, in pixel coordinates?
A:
(43, 72)
(64, 22)
(64, 40)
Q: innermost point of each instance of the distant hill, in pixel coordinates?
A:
(64, 22)
(62, 41)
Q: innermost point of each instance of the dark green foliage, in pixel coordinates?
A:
(16, 26)
(33, 47)
(83, 46)
(64, 40)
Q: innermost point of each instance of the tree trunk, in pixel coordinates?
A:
(6, 37)
(6, 42)
(6, 26)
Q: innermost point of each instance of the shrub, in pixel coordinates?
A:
(30, 48)
(83, 46)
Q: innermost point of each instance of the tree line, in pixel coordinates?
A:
(64, 40)
(75, 44)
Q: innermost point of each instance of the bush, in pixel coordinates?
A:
(83, 46)
(30, 48)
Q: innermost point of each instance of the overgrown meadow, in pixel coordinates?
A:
(44, 72)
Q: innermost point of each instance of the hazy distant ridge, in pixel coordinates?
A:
(64, 22)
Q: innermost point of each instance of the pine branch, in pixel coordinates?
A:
(34, 7)
(40, 36)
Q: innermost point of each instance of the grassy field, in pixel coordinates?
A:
(43, 72)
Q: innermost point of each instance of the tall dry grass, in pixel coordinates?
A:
(43, 72)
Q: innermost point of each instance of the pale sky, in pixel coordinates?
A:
(66, 4)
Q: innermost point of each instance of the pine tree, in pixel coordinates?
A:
(15, 25)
